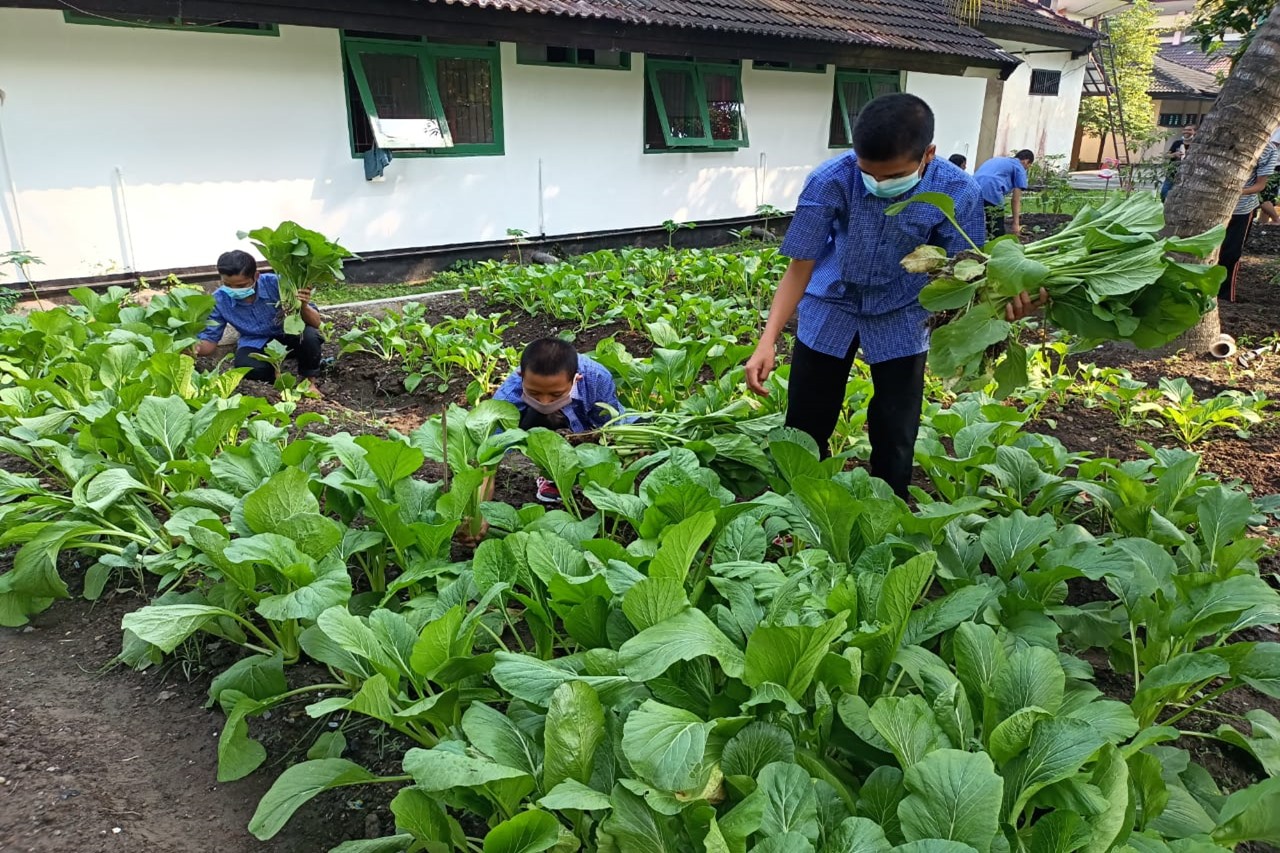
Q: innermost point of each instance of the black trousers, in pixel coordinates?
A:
(816, 396)
(305, 348)
(995, 220)
(1232, 249)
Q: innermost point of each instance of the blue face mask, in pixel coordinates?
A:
(239, 293)
(892, 187)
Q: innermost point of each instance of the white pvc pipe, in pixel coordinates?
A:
(1223, 348)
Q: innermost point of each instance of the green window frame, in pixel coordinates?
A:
(557, 56)
(448, 78)
(243, 28)
(702, 122)
(799, 68)
(853, 91)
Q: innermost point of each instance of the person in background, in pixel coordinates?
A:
(1000, 177)
(847, 282)
(249, 302)
(959, 160)
(559, 389)
(1238, 225)
(1267, 212)
(1176, 152)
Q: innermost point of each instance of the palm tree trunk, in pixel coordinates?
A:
(1227, 146)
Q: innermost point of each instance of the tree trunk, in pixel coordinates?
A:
(1227, 146)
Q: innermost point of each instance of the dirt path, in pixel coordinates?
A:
(122, 761)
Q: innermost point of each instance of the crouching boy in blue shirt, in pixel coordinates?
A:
(250, 303)
(846, 279)
(559, 389)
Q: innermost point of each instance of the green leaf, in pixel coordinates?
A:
(257, 676)
(832, 510)
(571, 794)
(1013, 735)
(390, 460)
(665, 745)
(298, 785)
(167, 625)
(941, 201)
(421, 816)
(1011, 541)
(879, 797)
(1059, 832)
(909, 727)
(789, 655)
(685, 636)
(555, 456)
(528, 832)
(933, 845)
(535, 680)
(755, 747)
(1032, 677)
(790, 803)
(680, 545)
(789, 842)
(857, 835)
(574, 731)
(1251, 815)
(1011, 373)
(1058, 749)
(654, 600)
(167, 421)
(436, 770)
(961, 340)
(1010, 271)
(1201, 245)
(1224, 515)
(979, 656)
(953, 795)
(635, 828)
(1111, 776)
(947, 294)
(238, 754)
(268, 508)
(104, 490)
(438, 643)
(497, 736)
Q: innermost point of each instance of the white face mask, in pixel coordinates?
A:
(891, 187)
(547, 408)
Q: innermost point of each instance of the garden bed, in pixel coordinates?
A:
(138, 752)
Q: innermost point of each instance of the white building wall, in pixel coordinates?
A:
(131, 149)
(1044, 123)
(957, 110)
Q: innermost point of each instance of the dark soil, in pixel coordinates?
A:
(97, 759)
(1254, 460)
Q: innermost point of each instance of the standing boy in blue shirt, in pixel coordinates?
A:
(250, 303)
(997, 178)
(846, 278)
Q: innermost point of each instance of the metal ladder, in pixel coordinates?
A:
(1102, 71)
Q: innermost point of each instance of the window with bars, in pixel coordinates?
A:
(1172, 119)
(853, 91)
(693, 106)
(575, 57)
(422, 98)
(1045, 82)
(161, 22)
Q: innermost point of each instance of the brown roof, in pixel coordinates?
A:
(912, 25)
(1170, 78)
(1189, 55)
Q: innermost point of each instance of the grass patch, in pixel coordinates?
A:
(344, 293)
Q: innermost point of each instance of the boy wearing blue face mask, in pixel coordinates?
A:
(559, 389)
(1000, 177)
(250, 303)
(847, 281)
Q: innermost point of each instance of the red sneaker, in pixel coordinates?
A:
(547, 491)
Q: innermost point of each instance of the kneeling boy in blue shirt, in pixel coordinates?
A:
(559, 389)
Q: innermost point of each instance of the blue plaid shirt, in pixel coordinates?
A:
(859, 289)
(583, 412)
(258, 322)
